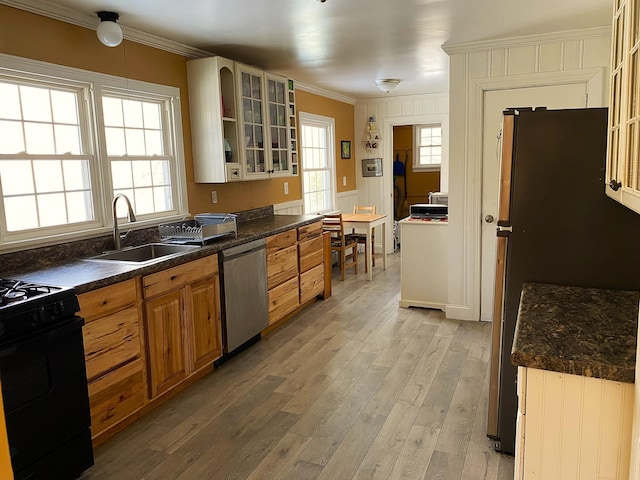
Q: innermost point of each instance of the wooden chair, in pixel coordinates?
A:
(340, 242)
(361, 238)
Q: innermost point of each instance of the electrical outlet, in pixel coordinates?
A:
(344, 181)
(214, 196)
(286, 188)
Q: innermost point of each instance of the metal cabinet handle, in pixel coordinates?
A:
(614, 185)
(489, 219)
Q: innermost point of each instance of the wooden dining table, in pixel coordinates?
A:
(367, 222)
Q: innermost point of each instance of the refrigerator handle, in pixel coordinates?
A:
(503, 229)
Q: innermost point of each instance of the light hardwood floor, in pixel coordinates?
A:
(354, 387)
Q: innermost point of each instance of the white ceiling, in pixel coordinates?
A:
(344, 45)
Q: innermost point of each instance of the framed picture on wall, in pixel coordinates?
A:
(345, 149)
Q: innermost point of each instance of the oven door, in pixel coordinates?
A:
(46, 403)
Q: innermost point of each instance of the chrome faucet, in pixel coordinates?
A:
(130, 216)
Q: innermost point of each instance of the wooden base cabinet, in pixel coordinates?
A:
(182, 307)
(282, 274)
(113, 354)
(311, 261)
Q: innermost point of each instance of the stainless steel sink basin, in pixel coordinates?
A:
(145, 253)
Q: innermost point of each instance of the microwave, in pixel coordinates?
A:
(428, 210)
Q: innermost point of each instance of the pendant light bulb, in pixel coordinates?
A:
(109, 31)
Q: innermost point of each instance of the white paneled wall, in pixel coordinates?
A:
(561, 58)
(289, 208)
(573, 427)
(389, 112)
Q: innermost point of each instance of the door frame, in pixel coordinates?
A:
(469, 209)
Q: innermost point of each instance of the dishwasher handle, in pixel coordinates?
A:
(244, 249)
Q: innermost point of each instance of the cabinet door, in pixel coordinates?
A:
(283, 299)
(204, 328)
(277, 121)
(165, 327)
(252, 124)
(623, 162)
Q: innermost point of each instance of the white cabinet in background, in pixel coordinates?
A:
(423, 263)
(214, 113)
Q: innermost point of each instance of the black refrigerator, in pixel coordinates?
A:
(555, 225)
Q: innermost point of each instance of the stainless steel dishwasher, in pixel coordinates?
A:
(244, 285)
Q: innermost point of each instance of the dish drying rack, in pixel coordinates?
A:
(203, 228)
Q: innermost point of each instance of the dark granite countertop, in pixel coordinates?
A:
(582, 331)
(86, 275)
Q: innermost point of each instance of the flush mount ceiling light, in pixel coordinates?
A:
(109, 31)
(387, 84)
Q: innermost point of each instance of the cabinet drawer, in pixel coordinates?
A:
(311, 284)
(310, 253)
(283, 299)
(103, 301)
(281, 240)
(282, 266)
(111, 341)
(311, 230)
(115, 396)
(179, 276)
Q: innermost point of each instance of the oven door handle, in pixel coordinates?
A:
(41, 337)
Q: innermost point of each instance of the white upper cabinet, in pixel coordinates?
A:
(623, 160)
(214, 126)
(240, 122)
(263, 123)
(278, 132)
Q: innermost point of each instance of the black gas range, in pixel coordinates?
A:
(26, 308)
(44, 381)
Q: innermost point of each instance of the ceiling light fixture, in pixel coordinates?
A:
(109, 31)
(387, 84)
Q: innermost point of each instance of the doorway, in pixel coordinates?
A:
(572, 95)
(410, 185)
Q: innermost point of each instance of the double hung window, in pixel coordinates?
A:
(317, 147)
(70, 140)
(428, 147)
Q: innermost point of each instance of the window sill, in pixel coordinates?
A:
(424, 168)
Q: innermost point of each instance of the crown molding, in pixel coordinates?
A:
(68, 15)
(453, 49)
(324, 93)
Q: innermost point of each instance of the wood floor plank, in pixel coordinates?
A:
(458, 425)
(328, 400)
(481, 461)
(302, 470)
(327, 438)
(415, 455)
(383, 453)
(444, 465)
(352, 387)
(281, 458)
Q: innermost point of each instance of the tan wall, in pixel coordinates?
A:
(33, 36)
(343, 113)
(419, 184)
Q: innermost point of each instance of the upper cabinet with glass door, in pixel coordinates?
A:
(252, 125)
(264, 123)
(623, 160)
(277, 102)
(214, 114)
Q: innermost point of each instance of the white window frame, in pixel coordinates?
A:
(327, 123)
(90, 105)
(434, 167)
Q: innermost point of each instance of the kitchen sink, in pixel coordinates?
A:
(145, 253)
